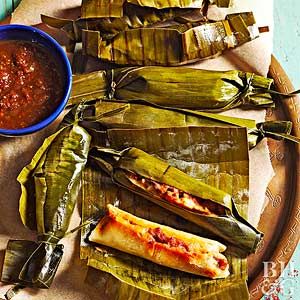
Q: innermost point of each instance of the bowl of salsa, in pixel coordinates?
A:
(35, 80)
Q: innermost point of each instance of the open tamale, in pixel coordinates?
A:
(115, 8)
(50, 187)
(175, 87)
(174, 190)
(172, 46)
(226, 168)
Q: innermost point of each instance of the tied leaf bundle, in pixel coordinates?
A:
(117, 8)
(134, 17)
(172, 46)
(175, 87)
(222, 220)
(50, 186)
(133, 115)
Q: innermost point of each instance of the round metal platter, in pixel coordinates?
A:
(281, 218)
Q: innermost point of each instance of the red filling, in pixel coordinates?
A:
(161, 237)
(222, 263)
(174, 195)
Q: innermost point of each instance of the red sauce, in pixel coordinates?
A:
(31, 85)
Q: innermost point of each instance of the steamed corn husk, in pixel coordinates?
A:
(117, 8)
(50, 187)
(188, 150)
(175, 87)
(134, 17)
(172, 46)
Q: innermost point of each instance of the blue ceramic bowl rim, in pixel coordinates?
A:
(63, 102)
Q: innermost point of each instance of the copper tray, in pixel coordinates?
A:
(280, 220)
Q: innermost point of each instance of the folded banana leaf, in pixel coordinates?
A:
(117, 8)
(101, 116)
(118, 115)
(189, 150)
(172, 46)
(134, 17)
(50, 187)
(175, 87)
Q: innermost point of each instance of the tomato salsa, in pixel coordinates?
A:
(31, 85)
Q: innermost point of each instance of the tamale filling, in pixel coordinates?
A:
(176, 196)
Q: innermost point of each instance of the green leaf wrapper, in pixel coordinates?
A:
(175, 87)
(172, 46)
(115, 8)
(100, 116)
(134, 17)
(50, 187)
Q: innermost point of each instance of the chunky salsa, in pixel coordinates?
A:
(31, 84)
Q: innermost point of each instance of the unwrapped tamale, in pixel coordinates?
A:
(174, 190)
(172, 46)
(175, 87)
(161, 244)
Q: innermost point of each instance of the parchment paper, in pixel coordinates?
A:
(15, 153)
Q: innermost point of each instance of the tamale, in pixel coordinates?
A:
(99, 117)
(175, 87)
(171, 47)
(118, 115)
(206, 206)
(225, 168)
(161, 244)
(50, 187)
(115, 8)
(134, 17)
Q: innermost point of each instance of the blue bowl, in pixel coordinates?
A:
(31, 34)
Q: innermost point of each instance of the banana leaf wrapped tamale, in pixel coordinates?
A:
(101, 116)
(174, 190)
(50, 187)
(119, 115)
(175, 87)
(134, 17)
(172, 46)
(226, 169)
(115, 8)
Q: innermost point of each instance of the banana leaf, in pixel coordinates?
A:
(175, 87)
(134, 17)
(118, 115)
(117, 8)
(184, 148)
(50, 187)
(172, 46)
(99, 117)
